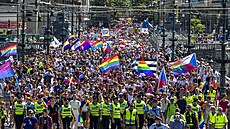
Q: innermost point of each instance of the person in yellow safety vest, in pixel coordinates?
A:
(196, 108)
(105, 113)
(3, 113)
(123, 103)
(130, 118)
(115, 114)
(212, 93)
(191, 118)
(219, 121)
(197, 94)
(210, 117)
(94, 113)
(188, 98)
(19, 111)
(66, 115)
(39, 106)
(140, 105)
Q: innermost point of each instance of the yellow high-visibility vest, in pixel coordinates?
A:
(66, 111)
(94, 109)
(130, 118)
(116, 111)
(19, 108)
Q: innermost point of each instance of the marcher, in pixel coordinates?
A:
(139, 105)
(39, 106)
(19, 108)
(191, 118)
(30, 121)
(131, 118)
(66, 115)
(115, 114)
(2, 113)
(75, 104)
(158, 124)
(219, 120)
(177, 123)
(45, 121)
(94, 113)
(105, 113)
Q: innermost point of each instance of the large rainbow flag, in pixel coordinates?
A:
(185, 65)
(110, 63)
(143, 68)
(9, 50)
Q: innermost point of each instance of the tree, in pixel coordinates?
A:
(197, 26)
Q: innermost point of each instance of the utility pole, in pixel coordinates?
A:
(189, 46)
(37, 6)
(23, 31)
(223, 60)
(63, 21)
(72, 25)
(17, 23)
(163, 26)
(173, 39)
(48, 28)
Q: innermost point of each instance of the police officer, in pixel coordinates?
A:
(196, 108)
(177, 123)
(19, 108)
(191, 118)
(154, 112)
(39, 106)
(115, 113)
(219, 120)
(210, 117)
(158, 124)
(139, 105)
(2, 112)
(130, 118)
(212, 94)
(105, 113)
(123, 103)
(94, 113)
(66, 114)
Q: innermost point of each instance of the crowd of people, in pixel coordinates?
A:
(68, 90)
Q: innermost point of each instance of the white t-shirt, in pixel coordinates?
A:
(75, 104)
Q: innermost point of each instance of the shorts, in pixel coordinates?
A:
(84, 114)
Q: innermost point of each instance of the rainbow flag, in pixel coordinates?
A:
(204, 86)
(85, 46)
(162, 80)
(66, 46)
(143, 68)
(201, 125)
(110, 63)
(72, 38)
(97, 44)
(9, 50)
(107, 50)
(185, 65)
(31, 58)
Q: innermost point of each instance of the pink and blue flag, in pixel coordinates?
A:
(107, 50)
(85, 46)
(162, 80)
(6, 70)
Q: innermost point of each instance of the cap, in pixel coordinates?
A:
(31, 111)
(171, 98)
(158, 118)
(1, 96)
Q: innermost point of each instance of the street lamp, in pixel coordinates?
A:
(173, 39)
(163, 26)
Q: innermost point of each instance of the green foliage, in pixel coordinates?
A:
(197, 26)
